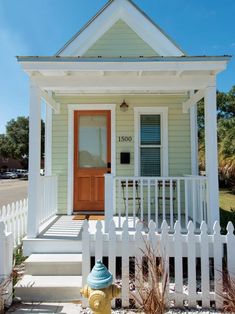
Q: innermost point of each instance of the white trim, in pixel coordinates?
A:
(163, 111)
(50, 101)
(124, 10)
(71, 109)
(61, 68)
(96, 83)
(193, 99)
(194, 139)
(48, 141)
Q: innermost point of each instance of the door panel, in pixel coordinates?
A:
(92, 153)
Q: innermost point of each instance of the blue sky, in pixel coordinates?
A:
(41, 27)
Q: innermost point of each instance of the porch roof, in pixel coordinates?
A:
(123, 75)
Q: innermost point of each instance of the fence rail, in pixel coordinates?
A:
(14, 216)
(195, 261)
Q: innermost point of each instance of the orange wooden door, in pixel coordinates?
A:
(92, 158)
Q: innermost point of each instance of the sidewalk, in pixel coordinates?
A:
(44, 308)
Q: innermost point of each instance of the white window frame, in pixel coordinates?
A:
(163, 112)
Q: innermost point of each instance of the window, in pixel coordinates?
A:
(151, 141)
(150, 145)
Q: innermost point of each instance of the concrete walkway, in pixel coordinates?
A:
(44, 308)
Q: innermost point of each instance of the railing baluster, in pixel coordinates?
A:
(127, 203)
(186, 201)
(193, 189)
(171, 206)
(119, 203)
(141, 200)
(156, 204)
(163, 200)
(149, 201)
(134, 201)
(201, 199)
(179, 201)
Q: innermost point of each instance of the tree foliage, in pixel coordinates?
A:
(15, 143)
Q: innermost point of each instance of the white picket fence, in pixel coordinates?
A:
(6, 261)
(197, 258)
(14, 216)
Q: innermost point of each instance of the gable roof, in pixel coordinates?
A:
(134, 17)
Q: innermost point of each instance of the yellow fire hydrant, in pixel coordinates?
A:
(99, 289)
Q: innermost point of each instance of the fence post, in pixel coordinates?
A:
(109, 199)
(6, 260)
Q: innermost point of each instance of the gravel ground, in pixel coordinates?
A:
(74, 308)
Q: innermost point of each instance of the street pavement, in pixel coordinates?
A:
(12, 190)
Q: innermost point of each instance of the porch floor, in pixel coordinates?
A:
(65, 227)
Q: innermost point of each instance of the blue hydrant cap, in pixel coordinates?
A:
(100, 277)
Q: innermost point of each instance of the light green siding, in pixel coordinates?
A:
(120, 40)
(178, 137)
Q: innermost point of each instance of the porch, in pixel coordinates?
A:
(170, 190)
(131, 199)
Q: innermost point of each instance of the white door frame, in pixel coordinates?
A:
(71, 109)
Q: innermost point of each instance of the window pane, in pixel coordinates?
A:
(92, 141)
(150, 129)
(150, 161)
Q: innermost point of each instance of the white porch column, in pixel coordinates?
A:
(48, 140)
(34, 189)
(194, 138)
(211, 154)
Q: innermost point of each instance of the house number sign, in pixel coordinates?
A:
(125, 139)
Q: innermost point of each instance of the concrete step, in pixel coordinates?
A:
(54, 265)
(51, 245)
(49, 288)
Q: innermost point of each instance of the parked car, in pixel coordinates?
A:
(8, 175)
(22, 173)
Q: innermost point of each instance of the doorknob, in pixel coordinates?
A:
(108, 164)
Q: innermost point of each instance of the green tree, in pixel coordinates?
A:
(15, 143)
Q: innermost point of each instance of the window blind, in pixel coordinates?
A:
(150, 145)
(150, 129)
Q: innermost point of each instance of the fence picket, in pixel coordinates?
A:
(138, 238)
(125, 264)
(230, 250)
(191, 265)
(217, 245)
(99, 241)
(178, 266)
(86, 256)
(112, 251)
(205, 266)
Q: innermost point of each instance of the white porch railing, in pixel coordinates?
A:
(14, 217)
(171, 199)
(48, 206)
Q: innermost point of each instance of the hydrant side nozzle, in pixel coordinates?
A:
(85, 291)
(115, 291)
